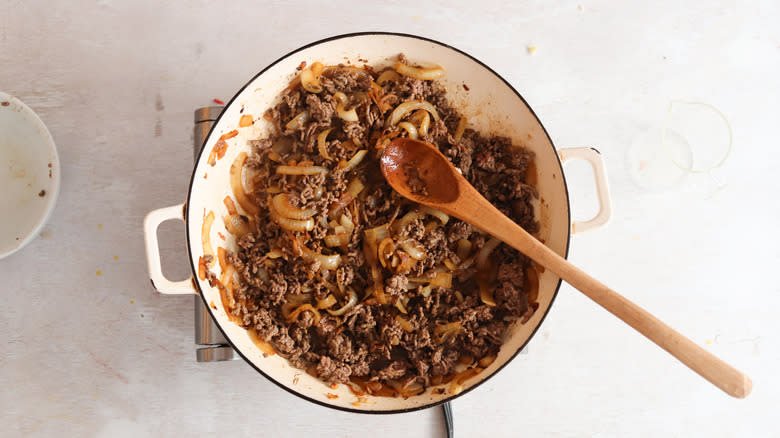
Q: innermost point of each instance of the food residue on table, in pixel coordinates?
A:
(100, 226)
(219, 102)
(5, 103)
(116, 257)
(98, 272)
(532, 49)
(42, 193)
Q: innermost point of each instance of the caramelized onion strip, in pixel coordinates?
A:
(281, 203)
(405, 108)
(424, 73)
(237, 185)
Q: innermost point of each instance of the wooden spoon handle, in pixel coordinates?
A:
(718, 372)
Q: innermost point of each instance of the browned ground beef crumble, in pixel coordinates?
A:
(367, 341)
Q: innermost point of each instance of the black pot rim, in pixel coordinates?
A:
(304, 396)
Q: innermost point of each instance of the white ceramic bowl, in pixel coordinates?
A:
(491, 105)
(29, 174)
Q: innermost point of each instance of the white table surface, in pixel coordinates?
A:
(116, 83)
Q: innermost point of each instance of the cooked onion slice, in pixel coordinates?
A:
(423, 73)
(326, 302)
(355, 160)
(347, 116)
(484, 252)
(329, 262)
(456, 386)
(293, 316)
(485, 294)
(405, 108)
(205, 237)
(353, 298)
(290, 224)
(300, 170)
(322, 145)
(387, 75)
(441, 216)
(281, 203)
(444, 332)
(297, 121)
(460, 129)
(464, 249)
(411, 130)
(423, 121)
(442, 279)
(414, 249)
(237, 184)
(310, 78)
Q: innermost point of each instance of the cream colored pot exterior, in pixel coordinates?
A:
(490, 104)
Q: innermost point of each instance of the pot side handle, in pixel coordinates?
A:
(592, 156)
(151, 223)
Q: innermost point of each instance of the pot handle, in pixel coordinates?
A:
(592, 156)
(151, 223)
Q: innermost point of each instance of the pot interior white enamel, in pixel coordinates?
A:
(490, 104)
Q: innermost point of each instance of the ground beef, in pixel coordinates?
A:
(394, 331)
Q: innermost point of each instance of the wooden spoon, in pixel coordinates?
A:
(418, 171)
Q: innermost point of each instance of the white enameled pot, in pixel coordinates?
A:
(491, 105)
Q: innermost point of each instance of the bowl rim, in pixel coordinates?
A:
(194, 268)
(54, 190)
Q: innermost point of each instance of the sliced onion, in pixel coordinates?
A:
(310, 78)
(451, 266)
(347, 223)
(237, 185)
(414, 249)
(274, 254)
(205, 237)
(464, 249)
(487, 360)
(290, 224)
(281, 203)
(423, 121)
(460, 129)
(405, 108)
(407, 219)
(485, 294)
(385, 250)
(231, 207)
(404, 324)
(300, 170)
(387, 75)
(442, 279)
(322, 145)
(326, 302)
(353, 189)
(222, 258)
(304, 308)
(446, 331)
(355, 160)
(410, 129)
(347, 116)
(376, 234)
(441, 216)
(424, 73)
(329, 262)
(456, 386)
(353, 298)
(297, 121)
(484, 252)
